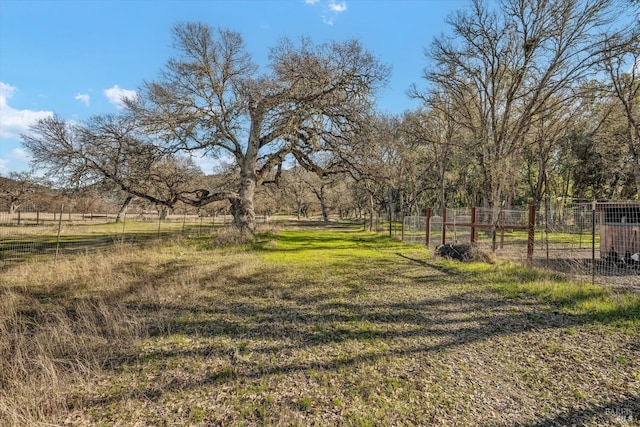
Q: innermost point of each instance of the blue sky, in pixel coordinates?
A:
(77, 58)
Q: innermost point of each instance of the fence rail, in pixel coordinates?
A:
(44, 218)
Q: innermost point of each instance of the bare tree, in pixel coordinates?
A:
(375, 163)
(17, 189)
(294, 188)
(540, 148)
(435, 134)
(108, 151)
(507, 67)
(320, 186)
(210, 98)
(623, 71)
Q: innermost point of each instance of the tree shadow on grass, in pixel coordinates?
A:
(268, 324)
(514, 282)
(241, 335)
(293, 318)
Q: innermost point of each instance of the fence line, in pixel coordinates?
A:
(33, 234)
(598, 242)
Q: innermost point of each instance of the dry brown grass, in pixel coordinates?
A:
(308, 328)
(60, 322)
(54, 338)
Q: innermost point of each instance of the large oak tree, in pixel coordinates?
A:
(211, 98)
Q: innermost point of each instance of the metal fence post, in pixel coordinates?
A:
(444, 225)
(427, 227)
(59, 229)
(593, 242)
(474, 231)
(531, 231)
(184, 220)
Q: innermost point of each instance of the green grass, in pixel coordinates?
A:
(312, 247)
(593, 302)
(324, 326)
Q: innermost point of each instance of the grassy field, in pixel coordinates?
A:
(310, 326)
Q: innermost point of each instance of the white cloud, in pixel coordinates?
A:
(331, 9)
(116, 95)
(6, 90)
(337, 7)
(20, 154)
(84, 98)
(206, 164)
(15, 160)
(15, 122)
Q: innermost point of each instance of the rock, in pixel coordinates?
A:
(457, 252)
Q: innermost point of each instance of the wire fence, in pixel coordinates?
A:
(33, 234)
(599, 242)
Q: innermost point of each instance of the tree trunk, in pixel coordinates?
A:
(163, 211)
(635, 158)
(299, 206)
(441, 185)
(371, 209)
(242, 209)
(323, 205)
(244, 218)
(123, 208)
(319, 192)
(541, 180)
(495, 200)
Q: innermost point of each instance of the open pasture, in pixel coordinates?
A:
(310, 326)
